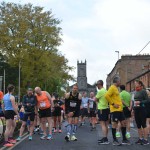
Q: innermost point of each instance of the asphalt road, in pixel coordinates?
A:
(87, 140)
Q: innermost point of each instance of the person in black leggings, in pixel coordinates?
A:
(140, 99)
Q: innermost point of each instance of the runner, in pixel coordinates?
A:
(10, 110)
(29, 103)
(92, 110)
(127, 107)
(72, 110)
(116, 109)
(57, 113)
(45, 105)
(140, 98)
(103, 112)
(84, 108)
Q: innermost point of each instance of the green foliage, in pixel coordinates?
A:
(31, 36)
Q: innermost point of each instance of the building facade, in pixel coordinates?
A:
(144, 77)
(128, 67)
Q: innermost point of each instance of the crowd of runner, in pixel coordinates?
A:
(42, 112)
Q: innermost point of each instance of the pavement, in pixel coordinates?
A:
(87, 140)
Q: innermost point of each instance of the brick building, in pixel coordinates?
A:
(128, 67)
(144, 77)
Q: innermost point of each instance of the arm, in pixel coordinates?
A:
(145, 97)
(108, 95)
(34, 102)
(12, 99)
(67, 103)
(49, 97)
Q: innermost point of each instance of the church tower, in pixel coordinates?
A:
(81, 76)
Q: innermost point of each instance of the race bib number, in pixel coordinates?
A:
(91, 105)
(42, 104)
(73, 104)
(85, 105)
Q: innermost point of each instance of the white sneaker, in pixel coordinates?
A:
(73, 138)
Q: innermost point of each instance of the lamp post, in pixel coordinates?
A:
(118, 54)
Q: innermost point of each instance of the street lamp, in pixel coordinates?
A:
(118, 54)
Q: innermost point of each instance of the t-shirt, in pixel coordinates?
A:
(92, 104)
(84, 102)
(113, 97)
(102, 102)
(126, 97)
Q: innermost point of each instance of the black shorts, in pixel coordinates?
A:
(29, 115)
(140, 117)
(9, 114)
(76, 113)
(57, 112)
(84, 112)
(92, 113)
(117, 116)
(1, 114)
(45, 113)
(127, 112)
(147, 112)
(103, 114)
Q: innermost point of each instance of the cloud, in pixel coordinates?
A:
(95, 29)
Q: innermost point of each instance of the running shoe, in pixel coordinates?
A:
(128, 135)
(139, 141)
(93, 128)
(103, 141)
(67, 138)
(30, 138)
(73, 138)
(7, 144)
(49, 137)
(126, 142)
(55, 130)
(118, 135)
(37, 129)
(116, 143)
(12, 141)
(145, 142)
(60, 131)
(19, 138)
(43, 137)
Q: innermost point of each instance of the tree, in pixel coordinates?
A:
(31, 36)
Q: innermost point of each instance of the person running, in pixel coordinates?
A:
(140, 99)
(10, 110)
(103, 112)
(29, 103)
(45, 106)
(57, 114)
(127, 107)
(116, 109)
(72, 110)
(92, 110)
(84, 108)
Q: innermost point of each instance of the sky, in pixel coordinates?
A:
(95, 29)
